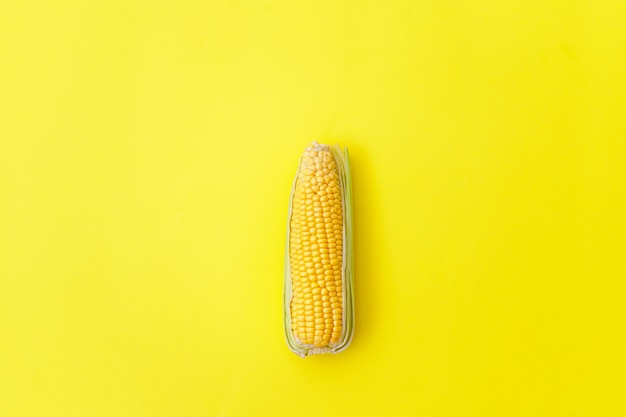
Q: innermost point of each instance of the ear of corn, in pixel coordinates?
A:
(318, 296)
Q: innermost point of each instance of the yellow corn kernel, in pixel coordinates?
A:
(317, 268)
(316, 192)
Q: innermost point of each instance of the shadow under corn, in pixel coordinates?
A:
(368, 239)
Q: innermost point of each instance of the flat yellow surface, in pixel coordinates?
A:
(147, 150)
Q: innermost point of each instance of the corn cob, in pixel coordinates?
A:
(319, 314)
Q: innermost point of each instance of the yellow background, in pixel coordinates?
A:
(147, 150)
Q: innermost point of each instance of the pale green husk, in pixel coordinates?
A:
(341, 157)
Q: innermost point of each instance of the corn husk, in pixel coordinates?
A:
(345, 183)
